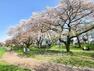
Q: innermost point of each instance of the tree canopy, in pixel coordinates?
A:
(66, 20)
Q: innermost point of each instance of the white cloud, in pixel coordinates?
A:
(4, 38)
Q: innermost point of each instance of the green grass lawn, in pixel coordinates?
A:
(56, 54)
(2, 51)
(6, 67)
(12, 68)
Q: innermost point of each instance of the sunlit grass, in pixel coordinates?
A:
(79, 59)
(57, 54)
(2, 51)
(6, 67)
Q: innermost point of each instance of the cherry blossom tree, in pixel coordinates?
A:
(65, 19)
(67, 15)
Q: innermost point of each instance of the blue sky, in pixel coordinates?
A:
(12, 11)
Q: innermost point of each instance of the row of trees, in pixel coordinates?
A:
(64, 22)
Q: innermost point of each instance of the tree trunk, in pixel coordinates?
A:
(67, 48)
(78, 42)
(67, 45)
(27, 45)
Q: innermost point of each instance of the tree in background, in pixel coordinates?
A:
(71, 13)
(65, 20)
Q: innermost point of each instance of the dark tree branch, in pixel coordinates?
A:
(92, 27)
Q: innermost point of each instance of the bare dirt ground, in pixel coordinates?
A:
(13, 58)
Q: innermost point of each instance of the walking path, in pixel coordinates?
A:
(13, 58)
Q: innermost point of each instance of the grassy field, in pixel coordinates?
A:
(2, 51)
(56, 54)
(6, 67)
